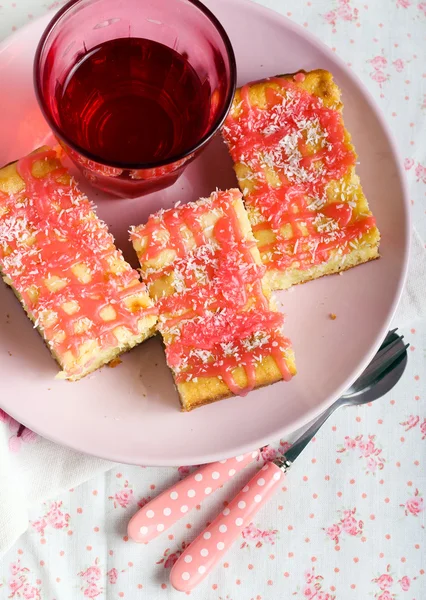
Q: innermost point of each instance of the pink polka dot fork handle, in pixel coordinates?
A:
(172, 504)
(198, 560)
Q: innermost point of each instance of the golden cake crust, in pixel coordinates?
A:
(280, 239)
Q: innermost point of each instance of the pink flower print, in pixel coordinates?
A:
(309, 592)
(168, 559)
(422, 7)
(112, 575)
(39, 526)
(184, 471)
(411, 422)
(378, 62)
(92, 591)
(123, 497)
(19, 586)
(350, 525)
(414, 505)
(30, 592)
(333, 532)
(386, 595)
(309, 576)
(367, 448)
(284, 446)
(405, 583)
(143, 501)
(403, 3)
(420, 173)
(399, 65)
(268, 453)
(313, 588)
(15, 568)
(251, 532)
(385, 581)
(371, 464)
(55, 517)
(379, 77)
(345, 12)
(330, 17)
(408, 163)
(269, 536)
(349, 443)
(92, 574)
(14, 586)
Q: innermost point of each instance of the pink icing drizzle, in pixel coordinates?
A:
(211, 328)
(272, 137)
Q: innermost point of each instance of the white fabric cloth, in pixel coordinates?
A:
(35, 472)
(412, 306)
(305, 543)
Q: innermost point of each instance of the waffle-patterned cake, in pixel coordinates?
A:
(202, 268)
(86, 301)
(295, 164)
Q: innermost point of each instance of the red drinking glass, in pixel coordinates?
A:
(133, 90)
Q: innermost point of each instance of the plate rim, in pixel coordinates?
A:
(301, 421)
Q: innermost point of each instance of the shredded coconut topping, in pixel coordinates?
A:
(294, 162)
(214, 316)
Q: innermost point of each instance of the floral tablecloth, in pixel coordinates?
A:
(350, 522)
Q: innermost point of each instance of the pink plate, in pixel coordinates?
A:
(131, 413)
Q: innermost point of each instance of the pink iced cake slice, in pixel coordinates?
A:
(203, 271)
(60, 260)
(295, 164)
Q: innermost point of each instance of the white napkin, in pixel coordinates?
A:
(412, 306)
(33, 469)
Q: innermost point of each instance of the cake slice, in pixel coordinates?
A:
(58, 257)
(295, 164)
(204, 272)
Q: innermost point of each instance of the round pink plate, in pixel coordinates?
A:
(131, 413)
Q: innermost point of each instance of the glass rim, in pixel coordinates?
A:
(147, 165)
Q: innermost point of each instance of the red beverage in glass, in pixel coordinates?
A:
(134, 90)
(133, 100)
